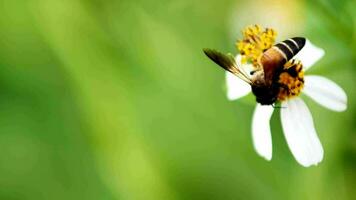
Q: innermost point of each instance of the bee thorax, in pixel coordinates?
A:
(265, 94)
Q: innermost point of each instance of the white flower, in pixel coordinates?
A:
(297, 122)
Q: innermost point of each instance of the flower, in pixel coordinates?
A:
(297, 122)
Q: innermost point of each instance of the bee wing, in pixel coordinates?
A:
(226, 61)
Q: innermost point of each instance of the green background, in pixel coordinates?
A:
(115, 100)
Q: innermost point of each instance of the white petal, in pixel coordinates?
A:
(236, 88)
(238, 58)
(309, 55)
(325, 92)
(246, 67)
(299, 131)
(261, 131)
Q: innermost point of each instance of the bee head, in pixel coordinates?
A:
(265, 95)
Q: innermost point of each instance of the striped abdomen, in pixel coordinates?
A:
(274, 58)
(290, 47)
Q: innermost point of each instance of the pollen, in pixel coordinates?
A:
(255, 41)
(291, 80)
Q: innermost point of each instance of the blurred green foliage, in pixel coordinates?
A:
(115, 100)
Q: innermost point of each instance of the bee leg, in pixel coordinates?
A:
(278, 107)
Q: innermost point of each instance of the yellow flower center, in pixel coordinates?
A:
(255, 41)
(291, 80)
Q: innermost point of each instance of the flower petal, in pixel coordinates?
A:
(246, 68)
(236, 88)
(309, 55)
(299, 131)
(261, 131)
(325, 92)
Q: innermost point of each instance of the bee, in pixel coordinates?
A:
(276, 76)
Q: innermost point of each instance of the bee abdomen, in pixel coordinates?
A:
(290, 47)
